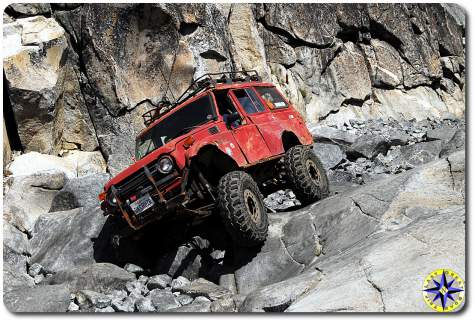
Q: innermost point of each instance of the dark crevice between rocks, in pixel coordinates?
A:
(376, 287)
(187, 28)
(355, 101)
(357, 205)
(288, 254)
(451, 173)
(278, 308)
(85, 87)
(323, 117)
(18, 15)
(213, 54)
(337, 51)
(9, 120)
(289, 39)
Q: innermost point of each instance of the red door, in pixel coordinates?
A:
(247, 134)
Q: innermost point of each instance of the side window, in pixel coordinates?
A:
(271, 97)
(225, 106)
(227, 109)
(255, 100)
(247, 102)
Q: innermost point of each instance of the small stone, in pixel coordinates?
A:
(132, 268)
(159, 281)
(35, 269)
(126, 305)
(107, 309)
(38, 278)
(223, 305)
(201, 299)
(143, 279)
(135, 287)
(204, 288)
(117, 295)
(144, 305)
(98, 300)
(73, 307)
(163, 300)
(184, 299)
(178, 282)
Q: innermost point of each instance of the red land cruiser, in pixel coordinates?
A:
(211, 151)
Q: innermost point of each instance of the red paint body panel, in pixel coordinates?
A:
(259, 138)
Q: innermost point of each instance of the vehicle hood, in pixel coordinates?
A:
(152, 157)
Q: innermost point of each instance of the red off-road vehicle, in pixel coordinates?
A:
(211, 151)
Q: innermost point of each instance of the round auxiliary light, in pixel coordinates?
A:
(165, 164)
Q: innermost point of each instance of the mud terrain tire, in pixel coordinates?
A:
(306, 174)
(241, 206)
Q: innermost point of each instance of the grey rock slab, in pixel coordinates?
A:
(125, 305)
(195, 307)
(322, 134)
(79, 192)
(63, 240)
(202, 287)
(267, 264)
(14, 279)
(444, 133)
(223, 305)
(163, 300)
(184, 299)
(100, 277)
(107, 309)
(98, 300)
(41, 298)
(159, 281)
(457, 143)
(178, 282)
(279, 296)
(132, 268)
(144, 305)
(329, 154)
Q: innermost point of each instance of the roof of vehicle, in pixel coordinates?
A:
(208, 84)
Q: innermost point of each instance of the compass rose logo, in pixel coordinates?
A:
(444, 290)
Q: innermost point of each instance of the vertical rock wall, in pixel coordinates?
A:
(80, 76)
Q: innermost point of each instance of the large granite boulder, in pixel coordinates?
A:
(64, 240)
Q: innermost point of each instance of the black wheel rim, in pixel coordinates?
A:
(313, 172)
(252, 205)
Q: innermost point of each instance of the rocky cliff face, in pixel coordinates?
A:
(80, 76)
(381, 86)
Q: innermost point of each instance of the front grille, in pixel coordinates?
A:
(138, 182)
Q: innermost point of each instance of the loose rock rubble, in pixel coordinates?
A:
(157, 293)
(359, 152)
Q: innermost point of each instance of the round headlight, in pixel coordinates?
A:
(111, 199)
(165, 164)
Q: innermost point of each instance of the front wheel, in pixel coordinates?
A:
(306, 174)
(242, 209)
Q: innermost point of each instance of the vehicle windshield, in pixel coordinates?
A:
(176, 124)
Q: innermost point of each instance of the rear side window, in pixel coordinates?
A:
(271, 97)
(250, 104)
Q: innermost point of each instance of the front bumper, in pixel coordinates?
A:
(165, 191)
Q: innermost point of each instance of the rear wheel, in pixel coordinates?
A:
(306, 174)
(242, 209)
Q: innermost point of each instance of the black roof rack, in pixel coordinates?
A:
(198, 85)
